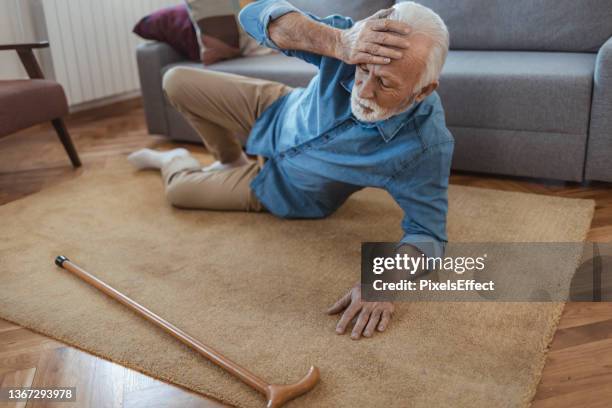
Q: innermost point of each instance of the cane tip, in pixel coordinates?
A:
(59, 261)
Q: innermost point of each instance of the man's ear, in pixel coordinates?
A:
(425, 91)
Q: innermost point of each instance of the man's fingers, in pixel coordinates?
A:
(360, 324)
(389, 25)
(393, 40)
(374, 319)
(340, 305)
(384, 321)
(346, 318)
(365, 58)
(375, 49)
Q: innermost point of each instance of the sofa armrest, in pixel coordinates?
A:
(598, 164)
(152, 57)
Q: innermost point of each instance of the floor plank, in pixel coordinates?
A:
(582, 369)
(581, 313)
(162, 396)
(17, 379)
(575, 336)
(107, 385)
(65, 367)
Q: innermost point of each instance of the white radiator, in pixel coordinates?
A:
(93, 47)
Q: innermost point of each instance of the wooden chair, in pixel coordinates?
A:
(28, 102)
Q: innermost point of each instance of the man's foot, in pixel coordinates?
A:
(223, 166)
(151, 159)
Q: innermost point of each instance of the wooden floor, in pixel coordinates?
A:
(578, 371)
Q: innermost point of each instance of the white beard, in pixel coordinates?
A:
(375, 113)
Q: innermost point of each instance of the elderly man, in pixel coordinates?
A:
(369, 118)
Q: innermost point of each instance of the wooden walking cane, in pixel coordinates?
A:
(277, 394)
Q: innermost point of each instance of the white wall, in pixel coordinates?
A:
(92, 51)
(14, 29)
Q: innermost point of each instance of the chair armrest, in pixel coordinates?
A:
(152, 57)
(24, 46)
(598, 165)
(26, 55)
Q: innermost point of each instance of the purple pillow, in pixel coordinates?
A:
(172, 26)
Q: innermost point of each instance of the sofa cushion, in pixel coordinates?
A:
(356, 9)
(542, 25)
(277, 67)
(25, 102)
(534, 91)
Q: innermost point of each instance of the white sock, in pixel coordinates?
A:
(151, 159)
(241, 161)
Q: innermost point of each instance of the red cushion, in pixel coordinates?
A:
(172, 26)
(28, 102)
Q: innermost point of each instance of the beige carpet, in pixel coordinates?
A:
(256, 287)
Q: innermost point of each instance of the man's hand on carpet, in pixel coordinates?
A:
(374, 40)
(370, 316)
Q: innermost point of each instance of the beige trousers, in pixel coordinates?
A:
(221, 107)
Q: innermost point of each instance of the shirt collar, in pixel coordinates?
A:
(387, 128)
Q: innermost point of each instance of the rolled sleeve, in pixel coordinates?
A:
(255, 18)
(428, 245)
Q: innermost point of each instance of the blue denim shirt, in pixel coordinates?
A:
(318, 153)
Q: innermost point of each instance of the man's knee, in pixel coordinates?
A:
(174, 82)
(179, 194)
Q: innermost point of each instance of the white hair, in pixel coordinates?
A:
(425, 21)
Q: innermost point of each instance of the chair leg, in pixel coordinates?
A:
(64, 136)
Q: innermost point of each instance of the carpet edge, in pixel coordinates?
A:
(538, 370)
(538, 367)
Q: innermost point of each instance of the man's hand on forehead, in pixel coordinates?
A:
(374, 40)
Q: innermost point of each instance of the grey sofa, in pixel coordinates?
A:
(527, 86)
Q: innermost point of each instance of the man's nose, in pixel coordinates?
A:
(367, 89)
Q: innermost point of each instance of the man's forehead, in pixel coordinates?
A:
(412, 58)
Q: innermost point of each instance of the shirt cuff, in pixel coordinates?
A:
(272, 12)
(431, 247)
